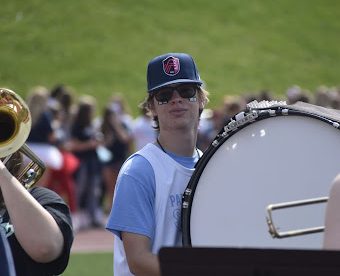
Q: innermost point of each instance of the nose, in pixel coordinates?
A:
(176, 96)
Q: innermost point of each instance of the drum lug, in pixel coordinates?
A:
(241, 119)
(285, 111)
(215, 143)
(185, 205)
(336, 124)
(187, 193)
(272, 112)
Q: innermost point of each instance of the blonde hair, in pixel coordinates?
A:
(37, 102)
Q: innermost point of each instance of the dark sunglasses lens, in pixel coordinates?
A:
(164, 96)
(187, 92)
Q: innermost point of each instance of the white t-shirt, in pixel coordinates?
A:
(148, 200)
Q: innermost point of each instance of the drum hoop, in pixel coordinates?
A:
(235, 124)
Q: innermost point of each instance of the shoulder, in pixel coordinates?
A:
(40, 193)
(136, 169)
(136, 164)
(55, 205)
(46, 196)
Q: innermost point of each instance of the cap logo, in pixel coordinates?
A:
(171, 66)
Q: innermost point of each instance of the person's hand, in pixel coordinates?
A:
(94, 143)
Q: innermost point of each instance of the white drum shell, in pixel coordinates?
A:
(275, 160)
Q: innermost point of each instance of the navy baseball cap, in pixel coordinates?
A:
(171, 68)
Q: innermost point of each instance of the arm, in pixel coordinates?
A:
(133, 212)
(139, 257)
(332, 217)
(35, 228)
(79, 146)
(122, 134)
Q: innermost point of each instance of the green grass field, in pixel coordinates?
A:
(99, 47)
(87, 264)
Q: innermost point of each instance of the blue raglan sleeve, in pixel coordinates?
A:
(133, 204)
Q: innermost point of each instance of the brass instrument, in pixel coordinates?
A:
(15, 126)
(273, 230)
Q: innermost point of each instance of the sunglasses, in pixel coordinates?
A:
(164, 95)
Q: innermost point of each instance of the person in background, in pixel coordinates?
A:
(42, 138)
(119, 106)
(117, 139)
(84, 141)
(143, 131)
(147, 201)
(64, 97)
(209, 128)
(295, 94)
(62, 180)
(233, 105)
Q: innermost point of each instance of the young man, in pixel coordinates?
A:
(146, 210)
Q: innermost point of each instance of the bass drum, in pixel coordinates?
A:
(263, 156)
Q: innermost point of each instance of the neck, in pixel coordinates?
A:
(178, 143)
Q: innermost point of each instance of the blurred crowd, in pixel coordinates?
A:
(214, 119)
(83, 148)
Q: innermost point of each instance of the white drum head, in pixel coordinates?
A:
(275, 160)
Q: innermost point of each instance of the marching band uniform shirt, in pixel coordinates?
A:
(24, 264)
(148, 200)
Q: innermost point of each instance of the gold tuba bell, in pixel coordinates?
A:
(15, 126)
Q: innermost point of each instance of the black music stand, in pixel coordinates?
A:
(6, 260)
(248, 262)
